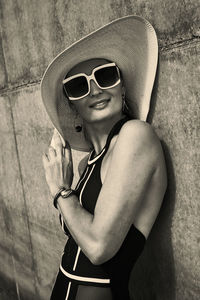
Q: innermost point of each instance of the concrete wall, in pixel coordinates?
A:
(31, 242)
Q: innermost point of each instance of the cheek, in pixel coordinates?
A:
(117, 92)
(119, 103)
(81, 108)
(76, 105)
(117, 97)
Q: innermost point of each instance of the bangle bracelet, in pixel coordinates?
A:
(57, 195)
(64, 193)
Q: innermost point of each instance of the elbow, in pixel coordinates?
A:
(97, 260)
(100, 255)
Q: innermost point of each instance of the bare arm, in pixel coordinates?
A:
(134, 160)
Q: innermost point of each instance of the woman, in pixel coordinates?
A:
(109, 215)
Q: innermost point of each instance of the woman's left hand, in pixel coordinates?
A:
(58, 165)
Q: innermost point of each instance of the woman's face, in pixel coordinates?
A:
(99, 104)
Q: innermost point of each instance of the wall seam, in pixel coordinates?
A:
(173, 46)
(181, 44)
(15, 275)
(14, 88)
(5, 85)
(2, 47)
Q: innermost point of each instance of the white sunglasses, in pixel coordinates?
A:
(105, 76)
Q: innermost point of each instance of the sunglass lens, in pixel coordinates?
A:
(76, 87)
(107, 76)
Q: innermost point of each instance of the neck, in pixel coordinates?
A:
(98, 132)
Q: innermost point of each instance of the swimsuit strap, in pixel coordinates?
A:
(114, 131)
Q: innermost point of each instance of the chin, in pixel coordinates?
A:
(103, 116)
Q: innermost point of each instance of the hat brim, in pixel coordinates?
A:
(131, 43)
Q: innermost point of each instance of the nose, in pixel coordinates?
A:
(94, 89)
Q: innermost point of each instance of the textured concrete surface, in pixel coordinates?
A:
(33, 33)
(182, 141)
(3, 79)
(15, 230)
(31, 240)
(173, 247)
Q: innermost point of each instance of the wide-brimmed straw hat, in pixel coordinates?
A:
(131, 43)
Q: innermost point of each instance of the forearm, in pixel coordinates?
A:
(80, 224)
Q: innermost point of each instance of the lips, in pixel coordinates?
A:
(100, 103)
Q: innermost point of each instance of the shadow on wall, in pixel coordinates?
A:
(8, 290)
(153, 277)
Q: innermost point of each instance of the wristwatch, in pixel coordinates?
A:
(64, 193)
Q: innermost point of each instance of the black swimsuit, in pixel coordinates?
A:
(75, 267)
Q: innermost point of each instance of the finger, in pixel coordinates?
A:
(58, 135)
(56, 139)
(52, 153)
(67, 145)
(62, 140)
(67, 154)
(56, 142)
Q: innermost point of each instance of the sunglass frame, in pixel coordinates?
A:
(91, 77)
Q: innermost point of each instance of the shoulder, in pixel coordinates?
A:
(133, 127)
(138, 138)
(138, 131)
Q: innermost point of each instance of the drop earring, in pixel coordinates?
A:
(124, 104)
